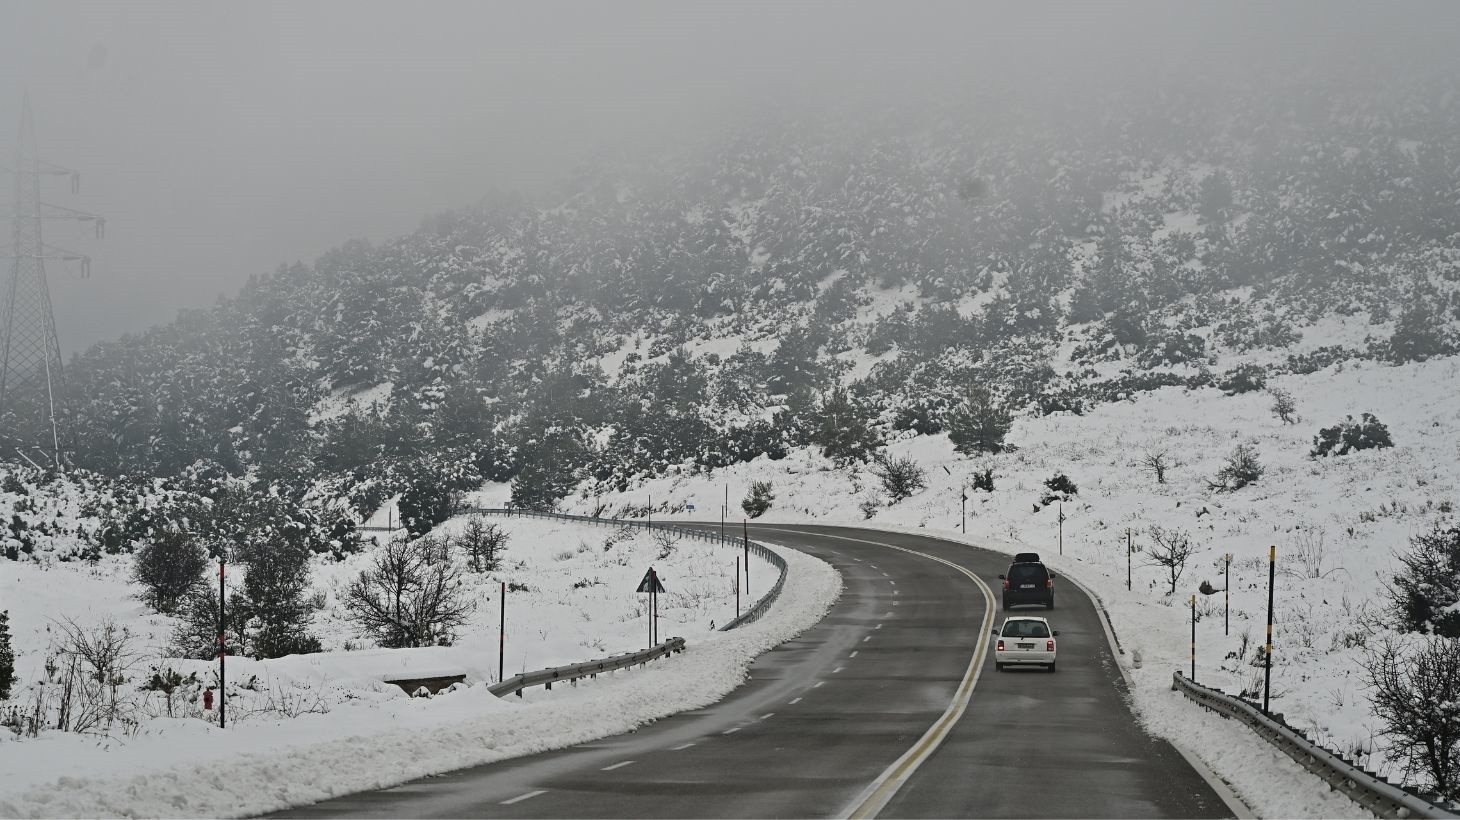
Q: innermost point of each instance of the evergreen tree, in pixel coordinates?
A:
(844, 428)
(7, 657)
(169, 566)
(979, 424)
(272, 599)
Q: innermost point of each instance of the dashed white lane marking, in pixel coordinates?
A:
(619, 765)
(794, 702)
(868, 638)
(894, 583)
(853, 655)
(838, 669)
(885, 575)
(521, 797)
(894, 603)
(731, 731)
(879, 626)
(887, 614)
(874, 566)
(767, 715)
(894, 592)
(818, 684)
(681, 747)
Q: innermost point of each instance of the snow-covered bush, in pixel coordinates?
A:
(1424, 594)
(482, 543)
(1350, 436)
(1243, 379)
(169, 566)
(1241, 468)
(1284, 406)
(901, 477)
(758, 500)
(1170, 549)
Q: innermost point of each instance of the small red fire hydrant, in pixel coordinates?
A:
(208, 698)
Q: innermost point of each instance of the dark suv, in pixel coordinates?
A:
(1028, 582)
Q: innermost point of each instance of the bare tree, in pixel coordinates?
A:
(1414, 693)
(412, 596)
(1284, 406)
(97, 661)
(1170, 549)
(1158, 462)
(483, 544)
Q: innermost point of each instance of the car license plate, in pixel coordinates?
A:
(1026, 646)
(1026, 586)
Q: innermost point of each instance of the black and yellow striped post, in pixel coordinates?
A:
(1193, 639)
(1227, 596)
(1267, 655)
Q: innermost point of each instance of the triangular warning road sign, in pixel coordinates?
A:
(650, 582)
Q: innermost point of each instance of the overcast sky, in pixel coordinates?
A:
(221, 140)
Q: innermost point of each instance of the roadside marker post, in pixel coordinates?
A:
(1267, 655)
(222, 649)
(653, 586)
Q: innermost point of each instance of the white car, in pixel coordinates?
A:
(1025, 640)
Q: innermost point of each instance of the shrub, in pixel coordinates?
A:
(984, 479)
(412, 595)
(426, 502)
(271, 600)
(1158, 462)
(168, 567)
(979, 424)
(1414, 691)
(901, 477)
(1242, 468)
(1348, 436)
(1424, 593)
(1243, 379)
(1284, 406)
(758, 500)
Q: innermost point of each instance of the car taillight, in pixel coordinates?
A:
(1049, 583)
(1001, 646)
(1006, 583)
(1049, 646)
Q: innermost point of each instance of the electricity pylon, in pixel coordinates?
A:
(31, 384)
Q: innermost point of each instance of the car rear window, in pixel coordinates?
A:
(1027, 574)
(1025, 629)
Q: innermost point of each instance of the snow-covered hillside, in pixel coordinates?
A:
(573, 600)
(1338, 524)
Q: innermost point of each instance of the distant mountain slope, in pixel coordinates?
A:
(706, 308)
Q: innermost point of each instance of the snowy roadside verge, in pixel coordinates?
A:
(1264, 778)
(255, 769)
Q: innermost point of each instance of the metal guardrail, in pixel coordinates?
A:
(1366, 788)
(573, 672)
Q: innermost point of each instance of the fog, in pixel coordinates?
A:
(221, 140)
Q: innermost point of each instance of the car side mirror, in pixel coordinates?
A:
(996, 633)
(1052, 576)
(1056, 633)
(1001, 577)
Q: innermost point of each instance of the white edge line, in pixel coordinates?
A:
(521, 797)
(681, 747)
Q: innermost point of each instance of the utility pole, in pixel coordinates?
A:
(502, 638)
(31, 383)
(745, 527)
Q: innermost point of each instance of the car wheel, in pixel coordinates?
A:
(1006, 604)
(1049, 605)
(1051, 668)
(999, 666)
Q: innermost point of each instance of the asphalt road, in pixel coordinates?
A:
(826, 714)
